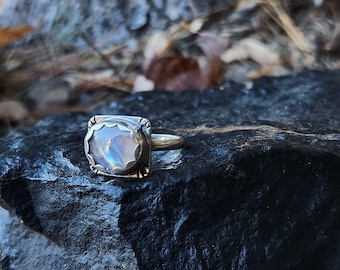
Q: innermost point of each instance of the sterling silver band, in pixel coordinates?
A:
(165, 142)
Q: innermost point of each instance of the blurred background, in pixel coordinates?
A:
(76, 55)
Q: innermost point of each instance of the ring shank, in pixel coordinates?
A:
(165, 141)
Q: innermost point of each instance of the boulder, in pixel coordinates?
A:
(255, 186)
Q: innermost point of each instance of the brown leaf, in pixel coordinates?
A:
(174, 73)
(213, 67)
(179, 73)
(9, 35)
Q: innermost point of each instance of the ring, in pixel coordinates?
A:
(120, 145)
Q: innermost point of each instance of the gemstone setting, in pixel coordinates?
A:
(119, 145)
(116, 148)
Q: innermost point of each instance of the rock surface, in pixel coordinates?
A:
(256, 185)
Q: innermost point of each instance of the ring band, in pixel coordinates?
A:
(120, 145)
(165, 142)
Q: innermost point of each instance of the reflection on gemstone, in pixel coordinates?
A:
(115, 148)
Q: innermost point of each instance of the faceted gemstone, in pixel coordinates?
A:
(115, 148)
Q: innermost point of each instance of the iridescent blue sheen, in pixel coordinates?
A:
(115, 148)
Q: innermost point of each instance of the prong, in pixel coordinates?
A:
(91, 122)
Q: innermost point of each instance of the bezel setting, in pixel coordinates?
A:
(139, 129)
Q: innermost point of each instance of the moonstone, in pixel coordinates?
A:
(115, 148)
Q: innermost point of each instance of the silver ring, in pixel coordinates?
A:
(120, 145)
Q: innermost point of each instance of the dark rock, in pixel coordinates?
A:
(256, 185)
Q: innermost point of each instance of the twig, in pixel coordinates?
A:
(278, 14)
(102, 56)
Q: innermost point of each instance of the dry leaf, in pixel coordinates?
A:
(174, 73)
(180, 73)
(243, 5)
(12, 111)
(9, 35)
(195, 25)
(143, 84)
(161, 42)
(213, 68)
(157, 45)
(276, 11)
(253, 49)
(235, 53)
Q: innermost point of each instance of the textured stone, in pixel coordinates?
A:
(255, 186)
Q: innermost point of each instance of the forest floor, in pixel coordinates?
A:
(254, 39)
